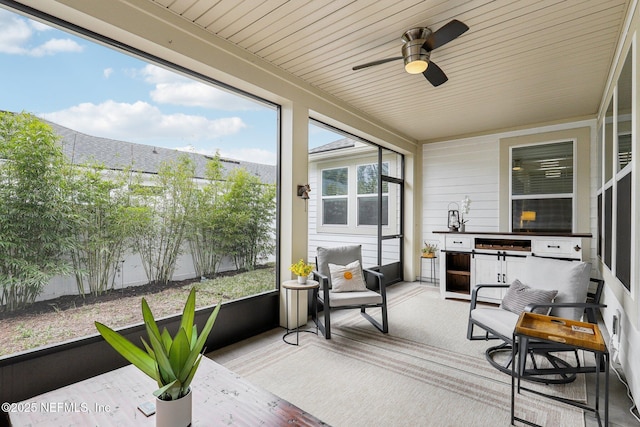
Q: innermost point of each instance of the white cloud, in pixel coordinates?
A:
(107, 72)
(16, 35)
(141, 122)
(172, 88)
(53, 46)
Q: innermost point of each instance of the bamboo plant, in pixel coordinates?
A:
(172, 362)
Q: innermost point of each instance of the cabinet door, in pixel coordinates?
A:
(487, 270)
(512, 268)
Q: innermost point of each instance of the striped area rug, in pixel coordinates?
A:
(423, 373)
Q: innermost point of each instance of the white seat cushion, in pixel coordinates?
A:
(501, 321)
(341, 299)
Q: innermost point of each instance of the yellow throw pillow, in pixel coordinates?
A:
(347, 278)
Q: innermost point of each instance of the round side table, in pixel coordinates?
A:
(293, 285)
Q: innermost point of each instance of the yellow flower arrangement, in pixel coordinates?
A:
(301, 268)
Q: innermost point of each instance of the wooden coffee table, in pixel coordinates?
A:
(220, 397)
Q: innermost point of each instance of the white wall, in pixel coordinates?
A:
(368, 238)
(132, 275)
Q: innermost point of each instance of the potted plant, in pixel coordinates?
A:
(172, 362)
(429, 250)
(302, 270)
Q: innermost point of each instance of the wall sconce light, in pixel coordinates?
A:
(303, 193)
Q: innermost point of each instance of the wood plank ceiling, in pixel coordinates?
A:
(521, 63)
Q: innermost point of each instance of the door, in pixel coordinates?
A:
(486, 269)
(390, 214)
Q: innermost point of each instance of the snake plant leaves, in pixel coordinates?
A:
(171, 361)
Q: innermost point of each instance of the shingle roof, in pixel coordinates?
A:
(335, 145)
(81, 148)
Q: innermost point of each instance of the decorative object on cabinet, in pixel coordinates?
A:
(453, 217)
(465, 205)
(375, 296)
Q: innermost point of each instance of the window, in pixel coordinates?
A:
(172, 128)
(542, 187)
(335, 191)
(368, 194)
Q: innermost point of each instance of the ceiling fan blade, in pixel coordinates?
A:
(434, 74)
(378, 62)
(445, 34)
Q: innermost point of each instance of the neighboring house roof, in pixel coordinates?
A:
(335, 145)
(81, 148)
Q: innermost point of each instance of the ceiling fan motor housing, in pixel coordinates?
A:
(413, 51)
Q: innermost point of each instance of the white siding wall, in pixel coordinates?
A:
(369, 242)
(470, 167)
(133, 275)
(454, 169)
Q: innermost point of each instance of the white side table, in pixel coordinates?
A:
(293, 285)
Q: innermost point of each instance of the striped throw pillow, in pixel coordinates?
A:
(519, 296)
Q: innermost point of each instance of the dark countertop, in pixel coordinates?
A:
(484, 233)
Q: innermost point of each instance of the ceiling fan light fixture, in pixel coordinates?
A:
(416, 59)
(416, 67)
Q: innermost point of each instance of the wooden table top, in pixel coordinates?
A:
(296, 286)
(564, 331)
(220, 397)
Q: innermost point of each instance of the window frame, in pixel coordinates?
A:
(574, 185)
(352, 226)
(370, 195)
(333, 197)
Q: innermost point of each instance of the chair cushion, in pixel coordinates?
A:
(569, 278)
(341, 255)
(347, 278)
(519, 295)
(502, 322)
(340, 299)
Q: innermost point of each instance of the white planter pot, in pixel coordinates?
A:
(174, 413)
(302, 279)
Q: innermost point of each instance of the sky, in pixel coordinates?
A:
(96, 90)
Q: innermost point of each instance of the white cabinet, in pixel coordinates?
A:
(498, 268)
(469, 259)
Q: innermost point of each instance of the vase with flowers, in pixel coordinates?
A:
(302, 270)
(464, 210)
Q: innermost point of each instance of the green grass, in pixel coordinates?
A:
(240, 285)
(26, 332)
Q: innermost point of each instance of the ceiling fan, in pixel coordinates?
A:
(417, 47)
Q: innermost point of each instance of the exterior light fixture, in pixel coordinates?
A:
(303, 192)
